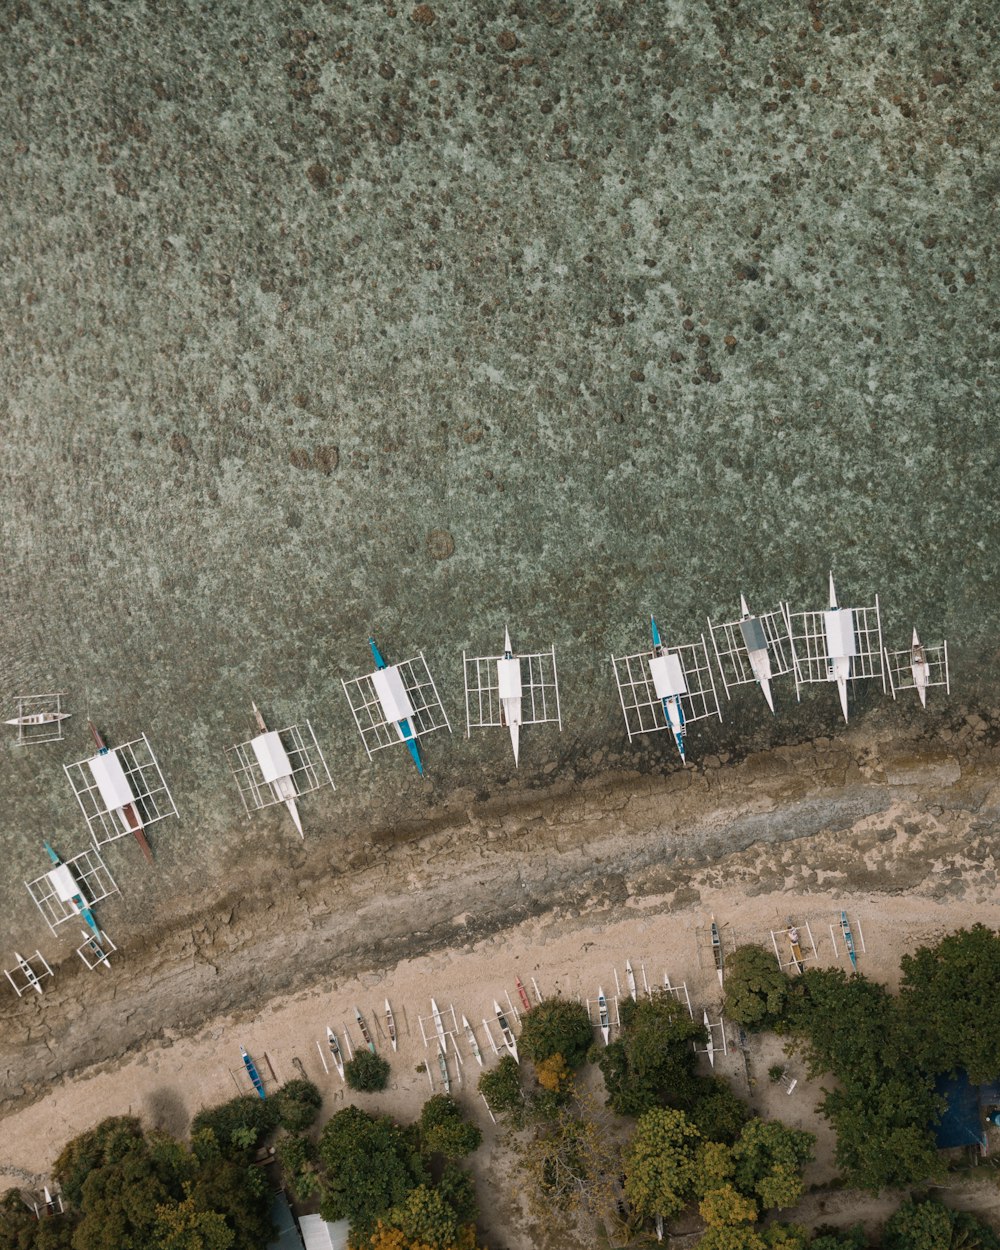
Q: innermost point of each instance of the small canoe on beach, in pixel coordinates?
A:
(390, 1024)
(364, 1030)
(336, 1054)
(505, 1030)
(473, 1044)
(602, 1008)
(254, 1075)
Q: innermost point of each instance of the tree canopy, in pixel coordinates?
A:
(653, 1061)
(756, 989)
(371, 1165)
(950, 1005)
(769, 1158)
(661, 1170)
(367, 1072)
(556, 1026)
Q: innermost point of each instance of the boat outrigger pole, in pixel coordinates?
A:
(403, 726)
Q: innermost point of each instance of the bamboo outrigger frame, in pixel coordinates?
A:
(38, 718)
(753, 649)
(279, 766)
(422, 709)
(55, 897)
(511, 690)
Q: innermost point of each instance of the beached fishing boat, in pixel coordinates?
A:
(505, 1030)
(390, 1025)
(443, 1069)
(115, 789)
(717, 953)
(630, 979)
(336, 1054)
(364, 1030)
(439, 1026)
(845, 928)
(254, 1075)
(711, 1045)
(523, 993)
(667, 688)
(95, 950)
(794, 945)
(603, 1014)
(473, 1044)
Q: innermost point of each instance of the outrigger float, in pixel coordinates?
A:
(918, 668)
(121, 790)
(511, 690)
(396, 703)
(667, 688)
(838, 644)
(753, 649)
(278, 766)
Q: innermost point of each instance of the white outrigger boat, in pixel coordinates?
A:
(439, 1028)
(505, 1031)
(753, 649)
(918, 668)
(276, 767)
(838, 645)
(336, 1054)
(390, 1025)
(711, 1044)
(443, 1068)
(37, 718)
(630, 979)
(604, 1014)
(473, 1044)
(717, 953)
(512, 690)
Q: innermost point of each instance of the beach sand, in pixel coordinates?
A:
(900, 832)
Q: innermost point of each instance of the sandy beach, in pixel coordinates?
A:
(897, 829)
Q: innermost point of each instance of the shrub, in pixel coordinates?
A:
(238, 1124)
(366, 1072)
(501, 1086)
(298, 1103)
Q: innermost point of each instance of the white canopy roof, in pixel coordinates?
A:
(396, 705)
(668, 675)
(509, 678)
(111, 781)
(271, 756)
(318, 1234)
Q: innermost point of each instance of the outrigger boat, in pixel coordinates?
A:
(711, 1044)
(390, 1024)
(841, 646)
(505, 1030)
(252, 1072)
(845, 927)
(509, 681)
(605, 1017)
(717, 950)
(364, 1030)
(439, 1026)
(669, 685)
(755, 641)
(443, 1067)
(630, 979)
(795, 945)
(282, 787)
(75, 898)
(387, 688)
(110, 777)
(37, 718)
(525, 1000)
(336, 1054)
(94, 945)
(920, 669)
(473, 1044)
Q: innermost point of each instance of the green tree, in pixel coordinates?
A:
(298, 1103)
(459, 1189)
(239, 1124)
(756, 989)
(717, 1112)
(653, 1061)
(950, 1005)
(723, 1207)
(366, 1072)
(732, 1237)
(237, 1191)
(826, 1238)
(769, 1158)
(786, 1237)
(425, 1216)
(298, 1158)
(371, 1165)
(848, 1026)
(883, 1136)
(184, 1226)
(444, 1129)
(501, 1086)
(107, 1141)
(556, 1026)
(918, 1226)
(714, 1167)
(661, 1164)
